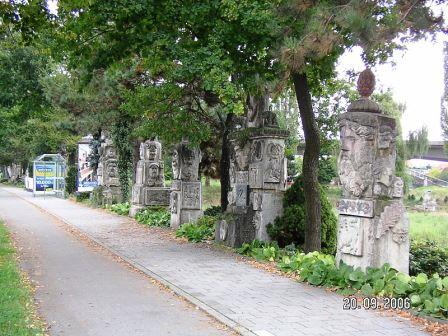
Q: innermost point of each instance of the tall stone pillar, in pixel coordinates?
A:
(258, 178)
(373, 227)
(186, 190)
(149, 188)
(107, 172)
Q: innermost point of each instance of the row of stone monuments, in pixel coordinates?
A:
(184, 197)
(373, 228)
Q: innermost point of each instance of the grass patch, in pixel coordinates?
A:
(211, 195)
(429, 226)
(437, 192)
(17, 314)
(334, 194)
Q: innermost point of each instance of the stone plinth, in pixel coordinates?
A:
(149, 188)
(107, 172)
(373, 227)
(429, 204)
(258, 181)
(186, 189)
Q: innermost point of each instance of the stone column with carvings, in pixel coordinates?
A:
(108, 172)
(258, 178)
(373, 227)
(149, 188)
(186, 190)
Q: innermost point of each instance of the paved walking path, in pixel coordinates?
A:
(257, 302)
(82, 291)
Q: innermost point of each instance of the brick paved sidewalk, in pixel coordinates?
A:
(246, 298)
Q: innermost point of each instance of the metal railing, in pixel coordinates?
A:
(430, 180)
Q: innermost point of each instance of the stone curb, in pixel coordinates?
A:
(243, 331)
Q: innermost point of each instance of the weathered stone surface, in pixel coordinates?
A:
(258, 179)
(157, 196)
(373, 227)
(429, 204)
(191, 195)
(186, 190)
(356, 207)
(149, 187)
(350, 235)
(241, 191)
(107, 172)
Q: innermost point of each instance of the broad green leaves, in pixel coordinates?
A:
(427, 294)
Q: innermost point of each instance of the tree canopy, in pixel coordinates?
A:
(185, 69)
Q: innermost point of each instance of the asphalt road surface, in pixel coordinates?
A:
(82, 290)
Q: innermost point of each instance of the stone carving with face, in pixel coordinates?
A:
(356, 158)
(110, 153)
(190, 159)
(274, 168)
(191, 197)
(153, 177)
(152, 150)
(241, 157)
(112, 169)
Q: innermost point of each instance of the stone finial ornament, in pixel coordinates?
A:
(366, 83)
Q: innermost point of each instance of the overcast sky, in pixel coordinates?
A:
(416, 79)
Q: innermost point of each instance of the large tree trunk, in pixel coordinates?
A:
(225, 162)
(310, 163)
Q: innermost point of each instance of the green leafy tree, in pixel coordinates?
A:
(418, 143)
(315, 35)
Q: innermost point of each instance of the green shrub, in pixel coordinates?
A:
(214, 210)
(290, 227)
(119, 208)
(70, 179)
(80, 197)
(201, 230)
(426, 257)
(327, 169)
(154, 216)
(266, 251)
(97, 196)
(427, 295)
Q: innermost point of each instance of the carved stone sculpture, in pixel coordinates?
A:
(257, 175)
(107, 171)
(186, 191)
(373, 226)
(149, 188)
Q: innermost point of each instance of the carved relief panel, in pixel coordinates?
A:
(191, 195)
(357, 154)
(274, 167)
(350, 235)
